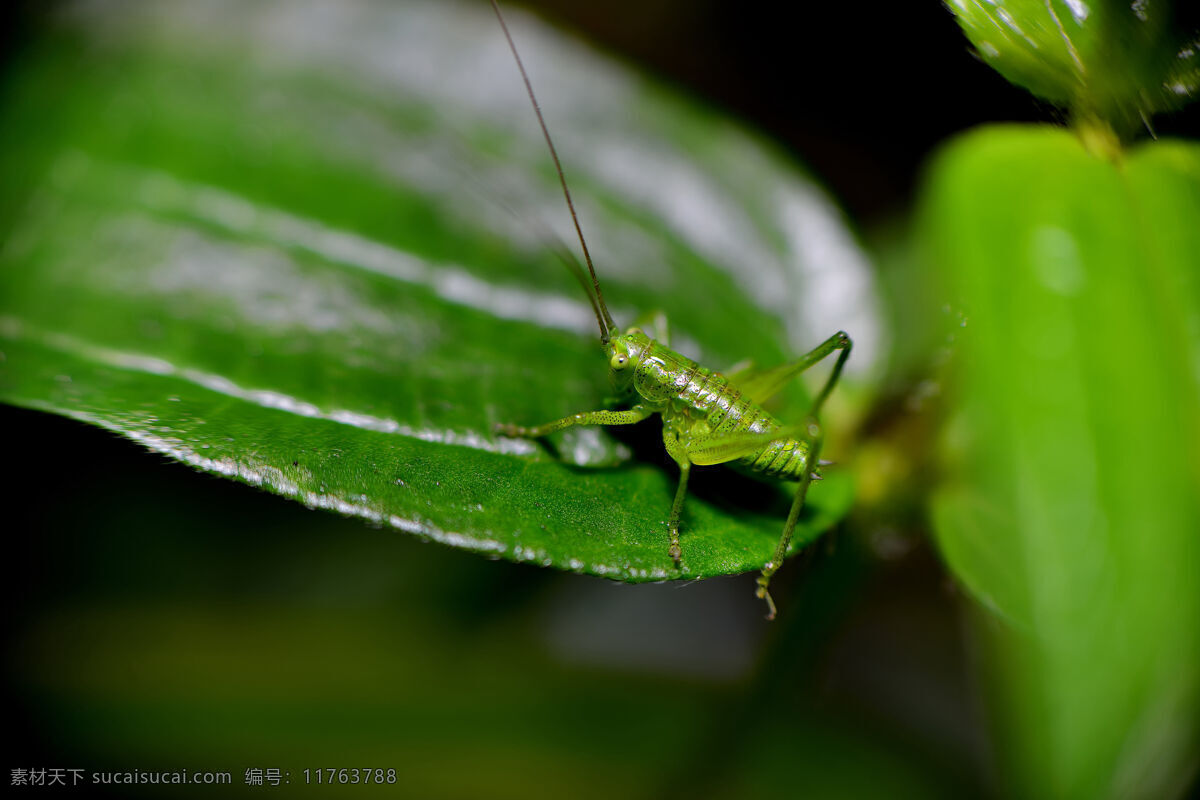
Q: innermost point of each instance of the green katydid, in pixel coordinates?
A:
(708, 418)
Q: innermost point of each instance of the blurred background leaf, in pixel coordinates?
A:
(1071, 502)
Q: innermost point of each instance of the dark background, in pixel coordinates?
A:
(862, 105)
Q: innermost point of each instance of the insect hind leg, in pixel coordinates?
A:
(814, 437)
(761, 385)
(839, 341)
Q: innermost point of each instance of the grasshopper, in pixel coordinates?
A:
(707, 418)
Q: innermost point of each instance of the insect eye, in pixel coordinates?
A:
(619, 361)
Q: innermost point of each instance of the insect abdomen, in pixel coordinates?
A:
(733, 414)
(707, 398)
(786, 459)
(728, 413)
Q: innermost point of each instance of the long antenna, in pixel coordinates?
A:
(606, 323)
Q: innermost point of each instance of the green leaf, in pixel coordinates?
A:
(1113, 60)
(1072, 503)
(308, 252)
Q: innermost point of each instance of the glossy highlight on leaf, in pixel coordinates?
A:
(319, 259)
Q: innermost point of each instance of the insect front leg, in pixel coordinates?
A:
(627, 417)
